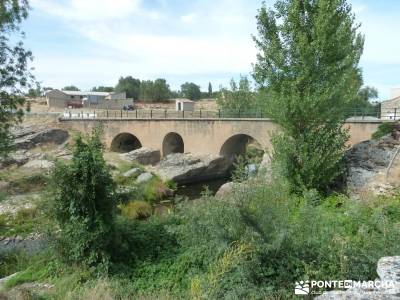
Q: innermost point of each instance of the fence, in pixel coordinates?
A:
(353, 113)
(161, 114)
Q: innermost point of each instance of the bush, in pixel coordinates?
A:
(85, 204)
(384, 129)
(136, 210)
(313, 160)
(263, 241)
(253, 247)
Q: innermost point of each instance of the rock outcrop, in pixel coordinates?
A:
(144, 156)
(132, 172)
(29, 137)
(386, 287)
(373, 166)
(39, 164)
(145, 177)
(189, 168)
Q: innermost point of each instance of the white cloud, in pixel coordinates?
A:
(105, 23)
(189, 18)
(88, 10)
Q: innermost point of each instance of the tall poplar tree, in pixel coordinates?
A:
(307, 68)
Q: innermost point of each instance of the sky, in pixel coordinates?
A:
(94, 42)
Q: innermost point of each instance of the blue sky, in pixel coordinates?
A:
(94, 42)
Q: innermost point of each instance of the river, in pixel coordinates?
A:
(193, 191)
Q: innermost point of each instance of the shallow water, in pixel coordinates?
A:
(194, 190)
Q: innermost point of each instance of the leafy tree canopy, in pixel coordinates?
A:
(157, 90)
(129, 85)
(15, 76)
(191, 91)
(307, 68)
(70, 88)
(239, 97)
(364, 98)
(35, 92)
(107, 89)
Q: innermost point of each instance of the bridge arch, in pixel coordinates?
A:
(125, 142)
(172, 143)
(236, 145)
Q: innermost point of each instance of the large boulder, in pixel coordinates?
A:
(189, 168)
(132, 172)
(386, 287)
(17, 158)
(145, 177)
(225, 190)
(144, 156)
(29, 137)
(373, 167)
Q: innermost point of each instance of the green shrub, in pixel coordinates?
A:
(151, 191)
(137, 210)
(85, 204)
(312, 160)
(287, 238)
(384, 129)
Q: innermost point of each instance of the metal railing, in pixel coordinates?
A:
(161, 114)
(352, 113)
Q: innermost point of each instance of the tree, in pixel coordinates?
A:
(70, 88)
(161, 91)
(14, 73)
(129, 85)
(106, 89)
(364, 97)
(307, 69)
(191, 91)
(146, 90)
(239, 97)
(84, 197)
(210, 90)
(35, 92)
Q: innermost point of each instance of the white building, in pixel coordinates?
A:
(184, 105)
(390, 109)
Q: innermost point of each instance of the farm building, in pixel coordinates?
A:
(78, 99)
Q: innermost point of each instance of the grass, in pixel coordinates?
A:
(26, 221)
(136, 210)
(384, 129)
(214, 249)
(26, 181)
(3, 195)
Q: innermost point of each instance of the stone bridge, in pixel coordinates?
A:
(227, 137)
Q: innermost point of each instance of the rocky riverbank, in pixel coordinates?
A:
(182, 168)
(373, 167)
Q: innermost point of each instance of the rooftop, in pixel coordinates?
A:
(81, 93)
(183, 100)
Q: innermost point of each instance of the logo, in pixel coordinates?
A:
(302, 288)
(313, 287)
